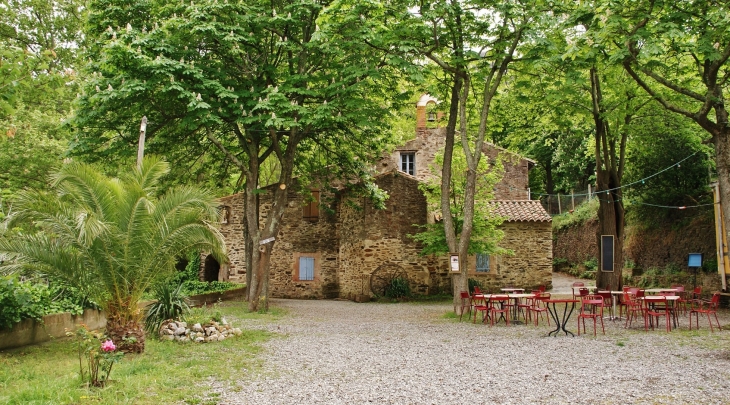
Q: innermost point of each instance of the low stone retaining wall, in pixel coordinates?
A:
(212, 298)
(30, 332)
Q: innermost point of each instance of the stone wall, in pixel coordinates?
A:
(370, 238)
(299, 237)
(232, 231)
(430, 141)
(666, 243)
(531, 264)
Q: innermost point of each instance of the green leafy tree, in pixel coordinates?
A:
(678, 53)
(111, 238)
(39, 48)
(245, 81)
(473, 44)
(486, 235)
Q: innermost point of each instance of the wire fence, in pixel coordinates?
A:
(558, 204)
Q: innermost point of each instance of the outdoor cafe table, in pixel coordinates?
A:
(658, 290)
(566, 315)
(670, 298)
(512, 290)
(514, 297)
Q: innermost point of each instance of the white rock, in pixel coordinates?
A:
(197, 327)
(180, 331)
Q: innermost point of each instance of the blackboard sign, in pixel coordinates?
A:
(606, 252)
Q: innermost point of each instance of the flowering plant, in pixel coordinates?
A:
(97, 355)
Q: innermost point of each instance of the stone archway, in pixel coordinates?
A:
(211, 269)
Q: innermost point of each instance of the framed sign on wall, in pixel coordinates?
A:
(454, 261)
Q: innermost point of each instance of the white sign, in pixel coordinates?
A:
(454, 262)
(267, 240)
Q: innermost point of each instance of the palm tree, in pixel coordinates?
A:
(112, 238)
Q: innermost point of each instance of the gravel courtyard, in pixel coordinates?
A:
(341, 352)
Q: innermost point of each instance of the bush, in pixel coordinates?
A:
(473, 283)
(171, 304)
(398, 288)
(23, 299)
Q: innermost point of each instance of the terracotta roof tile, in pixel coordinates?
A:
(521, 211)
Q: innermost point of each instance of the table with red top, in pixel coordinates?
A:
(560, 324)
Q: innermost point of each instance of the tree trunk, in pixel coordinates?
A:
(609, 170)
(722, 161)
(128, 335)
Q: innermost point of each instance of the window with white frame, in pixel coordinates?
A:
(408, 163)
(306, 268)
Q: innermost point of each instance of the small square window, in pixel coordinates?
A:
(482, 263)
(408, 163)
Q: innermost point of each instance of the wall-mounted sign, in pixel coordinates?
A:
(267, 240)
(607, 253)
(694, 260)
(454, 262)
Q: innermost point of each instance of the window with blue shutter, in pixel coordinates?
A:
(306, 268)
(482, 263)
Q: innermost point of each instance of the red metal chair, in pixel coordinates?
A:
(654, 307)
(591, 308)
(682, 301)
(706, 307)
(465, 303)
(577, 284)
(480, 303)
(696, 296)
(633, 307)
(498, 305)
(539, 307)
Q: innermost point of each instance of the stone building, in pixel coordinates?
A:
(339, 252)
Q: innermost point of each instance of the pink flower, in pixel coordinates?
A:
(108, 346)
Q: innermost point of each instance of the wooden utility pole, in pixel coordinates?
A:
(140, 148)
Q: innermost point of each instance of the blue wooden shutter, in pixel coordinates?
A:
(482, 263)
(306, 268)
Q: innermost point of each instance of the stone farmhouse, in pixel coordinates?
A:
(322, 255)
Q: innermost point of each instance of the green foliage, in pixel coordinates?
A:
(398, 289)
(97, 353)
(110, 238)
(170, 303)
(189, 281)
(204, 314)
(485, 235)
(591, 264)
(24, 299)
(584, 212)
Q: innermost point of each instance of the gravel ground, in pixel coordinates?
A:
(340, 352)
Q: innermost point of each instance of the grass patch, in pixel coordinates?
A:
(168, 372)
(583, 212)
(450, 315)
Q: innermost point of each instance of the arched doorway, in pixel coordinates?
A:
(211, 269)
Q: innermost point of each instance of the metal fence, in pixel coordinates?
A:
(558, 204)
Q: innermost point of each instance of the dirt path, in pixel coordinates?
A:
(562, 283)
